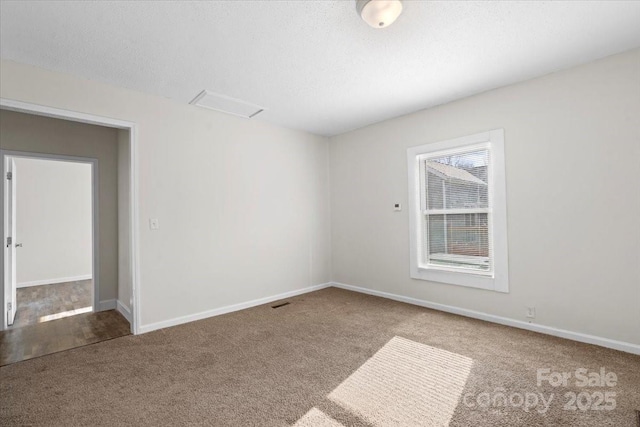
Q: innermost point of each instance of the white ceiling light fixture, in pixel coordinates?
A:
(379, 13)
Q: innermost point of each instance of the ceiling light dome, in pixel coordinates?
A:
(379, 13)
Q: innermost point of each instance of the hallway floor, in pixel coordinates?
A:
(36, 304)
(57, 317)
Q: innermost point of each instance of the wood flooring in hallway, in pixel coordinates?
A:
(36, 303)
(37, 332)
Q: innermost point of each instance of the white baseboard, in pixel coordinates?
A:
(575, 336)
(54, 281)
(108, 304)
(227, 309)
(124, 310)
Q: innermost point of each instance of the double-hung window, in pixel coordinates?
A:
(458, 221)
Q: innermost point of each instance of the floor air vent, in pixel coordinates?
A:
(225, 104)
(280, 305)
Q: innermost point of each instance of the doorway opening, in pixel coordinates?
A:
(108, 147)
(50, 252)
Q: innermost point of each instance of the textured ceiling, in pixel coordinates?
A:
(314, 65)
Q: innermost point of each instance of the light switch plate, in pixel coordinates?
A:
(154, 224)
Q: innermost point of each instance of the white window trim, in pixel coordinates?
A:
(499, 279)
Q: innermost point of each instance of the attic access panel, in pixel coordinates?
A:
(226, 104)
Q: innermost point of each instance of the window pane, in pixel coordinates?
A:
(460, 240)
(458, 181)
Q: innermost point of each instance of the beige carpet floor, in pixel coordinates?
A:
(329, 358)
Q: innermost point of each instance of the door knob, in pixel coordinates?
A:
(18, 245)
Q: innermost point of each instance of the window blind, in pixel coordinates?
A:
(457, 210)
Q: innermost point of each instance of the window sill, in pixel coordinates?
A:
(467, 279)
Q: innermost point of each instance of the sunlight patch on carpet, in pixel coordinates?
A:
(316, 418)
(405, 383)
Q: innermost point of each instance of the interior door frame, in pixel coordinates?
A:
(95, 211)
(9, 226)
(134, 201)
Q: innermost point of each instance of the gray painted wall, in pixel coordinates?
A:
(25, 132)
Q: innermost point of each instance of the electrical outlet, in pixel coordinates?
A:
(397, 207)
(531, 312)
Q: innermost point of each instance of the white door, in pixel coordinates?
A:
(10, 242)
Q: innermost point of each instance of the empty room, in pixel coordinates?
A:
(320, 213)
